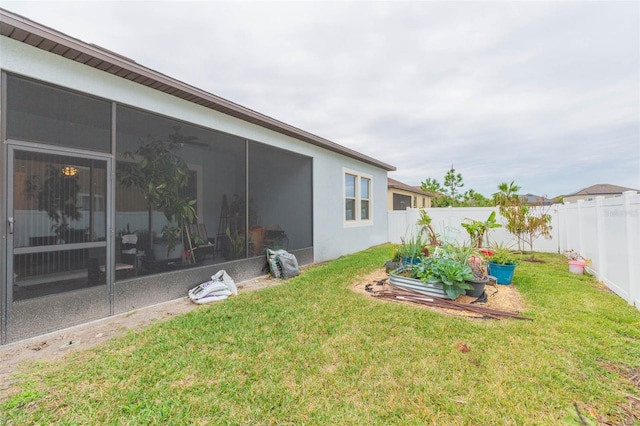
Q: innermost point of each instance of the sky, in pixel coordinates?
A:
(543, 93)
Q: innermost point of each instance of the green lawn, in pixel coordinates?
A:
(311, 351)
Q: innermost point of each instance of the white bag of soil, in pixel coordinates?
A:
(218, 288)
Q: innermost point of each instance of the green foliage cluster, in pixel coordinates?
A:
(449, 272)
(448, 195)
(526, 222)
(411, 247)
(425, 225)
(502, 255)
(161, 174)
(477, 230)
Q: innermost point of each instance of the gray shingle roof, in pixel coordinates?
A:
(392, 183)
(602, 189)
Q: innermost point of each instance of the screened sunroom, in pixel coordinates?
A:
(124, 188)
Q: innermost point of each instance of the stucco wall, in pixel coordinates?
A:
(420, 198)
(332, 237)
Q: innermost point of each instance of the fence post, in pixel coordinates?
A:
(563, 233)
(580, 230)
(633, 248)
(600, 260)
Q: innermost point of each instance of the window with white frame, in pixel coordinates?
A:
(357, 198)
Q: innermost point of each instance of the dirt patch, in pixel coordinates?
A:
(499, 297)
(53, 346)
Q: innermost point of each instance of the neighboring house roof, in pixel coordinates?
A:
(392, 183)
(26, 31)
(602, 189)
(536, 199)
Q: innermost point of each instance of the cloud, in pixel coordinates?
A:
(543, 93)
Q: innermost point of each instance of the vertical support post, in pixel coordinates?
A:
(110, 211)
(246, 198)
(600, 262)
(562, 228)
(580, 247)
(632, 217)
(4, 178)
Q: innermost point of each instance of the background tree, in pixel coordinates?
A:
(449, 195)
(508, 194)
(432, 185)
(453, 181)
(472, 198)
(439, 199)
(526, 222)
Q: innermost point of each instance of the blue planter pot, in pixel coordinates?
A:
(411, 261)
(503, 273)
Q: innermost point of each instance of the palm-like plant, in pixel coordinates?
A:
(508, 194)
(477, 230)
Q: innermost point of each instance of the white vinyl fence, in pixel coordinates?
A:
(605, 230)
(446, 222)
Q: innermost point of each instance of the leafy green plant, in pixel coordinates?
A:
(459, 253)
(237, 243)
(411, 248)
(425, 223)
(452, 274)
(478, 230)
(502, 255)
(524, 221)
(161, 174)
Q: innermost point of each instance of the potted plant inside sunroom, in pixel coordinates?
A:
(161, 174)
(502, 264)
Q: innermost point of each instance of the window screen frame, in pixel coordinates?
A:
(358, 198)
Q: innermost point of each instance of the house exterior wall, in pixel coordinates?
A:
(588, 197)
(332, 237)
(421, 200)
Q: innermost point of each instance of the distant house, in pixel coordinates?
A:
(601, 189)
(400, 196)
(536, 200)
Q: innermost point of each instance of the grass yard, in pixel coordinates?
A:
(311, 351)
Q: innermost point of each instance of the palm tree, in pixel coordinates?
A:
(508, 194)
